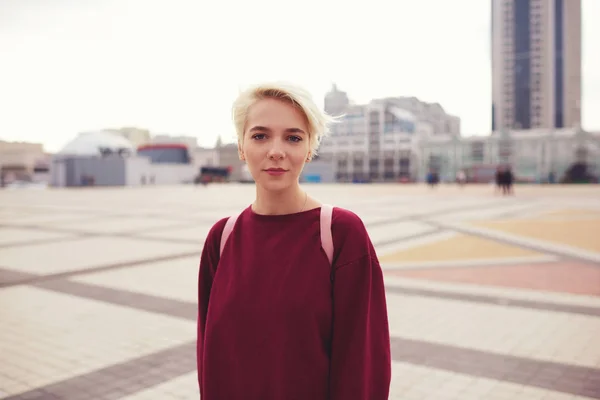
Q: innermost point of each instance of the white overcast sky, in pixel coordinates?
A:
(175, 66)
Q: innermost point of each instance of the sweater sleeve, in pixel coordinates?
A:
(208, 266)
(360, 353)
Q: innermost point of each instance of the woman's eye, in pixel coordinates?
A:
(295, 138)
(259, 136)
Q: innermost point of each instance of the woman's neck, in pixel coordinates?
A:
(288, 201)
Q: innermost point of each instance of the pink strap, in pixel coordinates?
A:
(326, 238)
(227, 231)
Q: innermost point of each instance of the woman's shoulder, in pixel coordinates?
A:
(351, 239)
(346, 219)
(216, 230)
(219, 225)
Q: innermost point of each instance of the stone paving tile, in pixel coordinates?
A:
(181, 388)
(398, 230)
(176, 279)
(566, 277)
(581, 233)
(540, 335)
(412, 382)
(49, 258)
(502, 292)
(195, 234)
(503, 211)
(141, 374)
(12, 236)
(116, 224)
(494, 300)
(556, 377)
(9, 277)
(473, 263)
(556, 249)
(48, 337)
(434, 236)
(135, 300)
(458, 247)
(48, 218)
(21, 278)
(575, 212)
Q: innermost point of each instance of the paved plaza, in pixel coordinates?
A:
(489, 297)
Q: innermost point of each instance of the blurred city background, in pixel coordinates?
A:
(117, 154)
(92, 97)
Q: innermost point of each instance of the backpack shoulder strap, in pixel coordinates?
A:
(326, 237)
(227, 231)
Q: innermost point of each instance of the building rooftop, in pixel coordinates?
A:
(92, 143)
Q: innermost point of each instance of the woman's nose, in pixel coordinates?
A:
(276, 152)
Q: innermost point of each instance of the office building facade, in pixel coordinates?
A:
(377, 142)
(536, 64)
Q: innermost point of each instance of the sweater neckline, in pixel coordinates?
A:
(280, 217)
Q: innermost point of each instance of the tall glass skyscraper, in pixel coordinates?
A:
(536, 64)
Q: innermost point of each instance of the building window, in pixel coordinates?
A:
(558, 64)
(342, 177)
(477, 151)
(522, 54)
(404, 166)
(374, 122)
(388, 175)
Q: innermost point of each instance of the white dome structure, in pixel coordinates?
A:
(95, 143)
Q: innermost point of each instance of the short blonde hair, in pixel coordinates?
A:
(318, 121)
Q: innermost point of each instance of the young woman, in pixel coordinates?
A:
(277, 320)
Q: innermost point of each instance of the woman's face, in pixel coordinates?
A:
(276, 144)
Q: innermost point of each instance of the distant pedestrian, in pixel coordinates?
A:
(505, 179)
(509, 179)
(499, 179)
